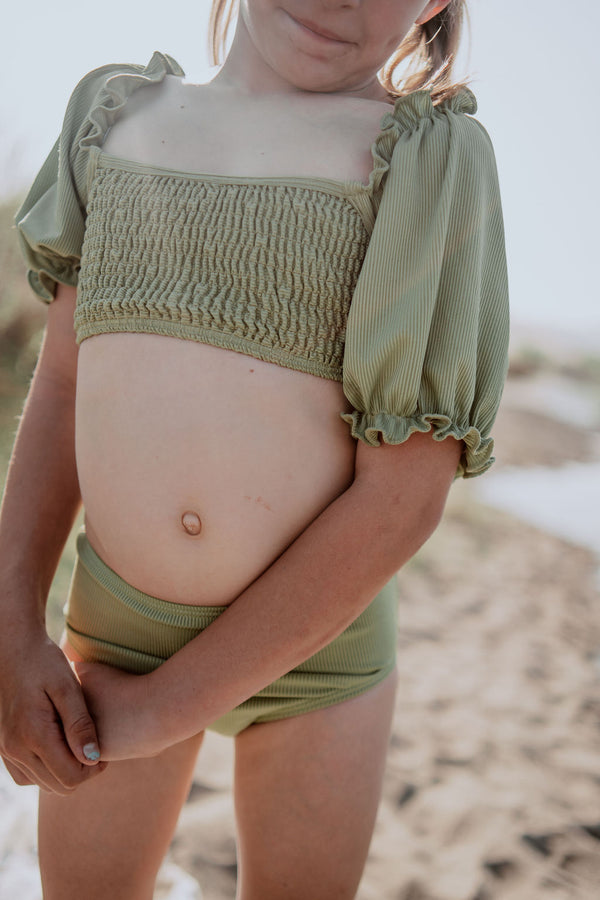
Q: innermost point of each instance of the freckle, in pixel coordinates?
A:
(163, 142)
(251, 370)
(182, 107)
(191, 522)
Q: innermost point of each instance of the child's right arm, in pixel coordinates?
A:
(44, 721)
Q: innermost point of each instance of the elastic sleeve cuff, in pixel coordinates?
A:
(44, 284)
(372, 429)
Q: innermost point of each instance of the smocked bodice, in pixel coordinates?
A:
(266, 268)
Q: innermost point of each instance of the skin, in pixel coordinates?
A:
(44, 719)
(273, 51)
(303, 784)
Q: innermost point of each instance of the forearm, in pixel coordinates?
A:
(41, 496)
(44, 721)
(316, 588)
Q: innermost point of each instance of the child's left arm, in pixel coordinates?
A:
(309, 595)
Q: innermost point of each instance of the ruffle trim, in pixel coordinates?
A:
(117, 89)
(475, 459)
(44, 282)
(407, 115)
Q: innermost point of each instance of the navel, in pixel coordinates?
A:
(191, 522)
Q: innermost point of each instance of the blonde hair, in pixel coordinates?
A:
(426, 55)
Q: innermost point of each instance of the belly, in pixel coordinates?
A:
(199, 466)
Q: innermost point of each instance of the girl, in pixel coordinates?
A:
(290, 335)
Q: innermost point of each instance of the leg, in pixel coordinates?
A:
(106, 841)
(306, 795)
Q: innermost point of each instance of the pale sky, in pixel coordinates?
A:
(534, 75)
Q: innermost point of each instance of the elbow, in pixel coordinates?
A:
(427, 517)
(404, 532)
(432, 519)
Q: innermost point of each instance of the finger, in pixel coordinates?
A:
(35, 772)
(19, 770)
(56, 770)
(46, 779)
(19, 774)
(55, 763)
(55, 785)
(42, 756)
(38, 773)
(77, 723)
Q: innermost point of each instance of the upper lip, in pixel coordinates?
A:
(322, 31)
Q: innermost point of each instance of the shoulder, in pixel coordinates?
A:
(100, 96)
(112, 74)
(450, 123)
(436, 146)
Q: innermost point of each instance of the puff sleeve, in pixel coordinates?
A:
(427, 333)
(51, 222)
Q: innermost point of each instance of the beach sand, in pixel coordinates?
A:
(492, 789)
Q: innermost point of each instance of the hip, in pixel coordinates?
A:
(111, 622)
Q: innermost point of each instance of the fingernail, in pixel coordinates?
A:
(91, 752)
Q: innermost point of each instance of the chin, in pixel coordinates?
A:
(320, 83)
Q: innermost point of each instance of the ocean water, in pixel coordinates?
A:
(564, 501)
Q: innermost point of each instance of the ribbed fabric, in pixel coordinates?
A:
(427, 334)
(111, 622)
(398, 288)
(264, 269)
(51, 222)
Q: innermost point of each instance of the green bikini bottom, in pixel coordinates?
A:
(111, 622)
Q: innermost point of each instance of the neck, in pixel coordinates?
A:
(247, 73)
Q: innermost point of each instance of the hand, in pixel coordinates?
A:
(122, 707)
(44, 721)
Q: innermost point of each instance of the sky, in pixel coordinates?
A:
(532, 69)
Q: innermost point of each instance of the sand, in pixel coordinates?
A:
(492, 789)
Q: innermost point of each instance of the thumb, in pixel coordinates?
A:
(78, 725)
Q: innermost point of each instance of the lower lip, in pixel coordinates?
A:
(319, 38)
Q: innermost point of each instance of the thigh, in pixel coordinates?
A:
(306, 795)
(106, 841)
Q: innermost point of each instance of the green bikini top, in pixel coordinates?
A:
(397, 288)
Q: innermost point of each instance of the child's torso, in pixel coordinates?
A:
(166, 426)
